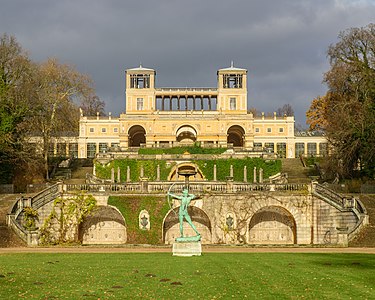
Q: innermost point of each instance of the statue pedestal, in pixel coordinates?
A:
(187, 249)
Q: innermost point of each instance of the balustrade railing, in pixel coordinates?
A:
(194, 187)
(45, 196)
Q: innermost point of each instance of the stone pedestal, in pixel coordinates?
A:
(187, 249)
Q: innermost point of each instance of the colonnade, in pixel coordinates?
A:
(165, 103)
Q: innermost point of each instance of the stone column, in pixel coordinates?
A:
(158, 173)
(118, 175)
(94, 170)
(260, 175)
(231, 171)
(128, 174)
(245, 173)
(255, 175)
(142, 172)
(112, 175)
(215, 172)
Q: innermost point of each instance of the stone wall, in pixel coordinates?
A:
(269, 218)
(230, 216)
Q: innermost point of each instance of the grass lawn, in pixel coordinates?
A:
(211, 276)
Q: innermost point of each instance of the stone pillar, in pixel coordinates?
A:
(118, 175)
(94, 170)
(245, 173)
(231, 171)
(255, 175)
(158, 173)
(128, 174)
(260, 175)
(215, 173)
(142, 172)
(112, 175)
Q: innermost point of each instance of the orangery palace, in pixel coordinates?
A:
(170, 117)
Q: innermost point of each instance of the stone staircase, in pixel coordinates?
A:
(7, 237)
(366, 237)
(296, 172)
(76, 173)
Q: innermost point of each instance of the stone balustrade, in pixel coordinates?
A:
(343, 204)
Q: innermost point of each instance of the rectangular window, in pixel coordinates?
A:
(104, 130)
(61, 149)
(269, 147)
(311, 149)
(139, 103)
(257, 129)
(281, 130)
(91, 150)
(103, 147)
(115, 146)
(269, 130)
(323, 149)
(73, 150)
(115, 130)
(232, 103)
(281, 149)
(300, 149)
(92, 130)
(51, 149)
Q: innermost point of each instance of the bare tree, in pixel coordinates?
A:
(285, 110)
(92, 105)
(59, 86)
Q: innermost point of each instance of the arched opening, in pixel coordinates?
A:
(185, 167)
(105, 225)
(171, 229)
(137, 136)
(186, 135)
(272, 225)
(235, 136)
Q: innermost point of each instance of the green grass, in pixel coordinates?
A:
(211, 276)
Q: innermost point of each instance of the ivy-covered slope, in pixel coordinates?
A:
(131, 206)
(270, 167)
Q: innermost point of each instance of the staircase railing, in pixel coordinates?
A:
(343, 204)
(15, 214)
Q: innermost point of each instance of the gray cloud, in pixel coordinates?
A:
(282, 43)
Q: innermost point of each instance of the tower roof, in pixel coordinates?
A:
(141, 68)
(232, 68)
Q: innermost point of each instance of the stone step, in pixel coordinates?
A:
(295, 171)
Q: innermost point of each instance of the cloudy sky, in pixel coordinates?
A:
(282, 43)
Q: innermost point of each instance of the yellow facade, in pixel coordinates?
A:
(166, 117)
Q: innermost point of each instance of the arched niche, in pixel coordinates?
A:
(235, 136)
(144, 220)
(186, 134)
(137, 136)
(272, 225)
(185, 168)
(171, 229)
(105, 225)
